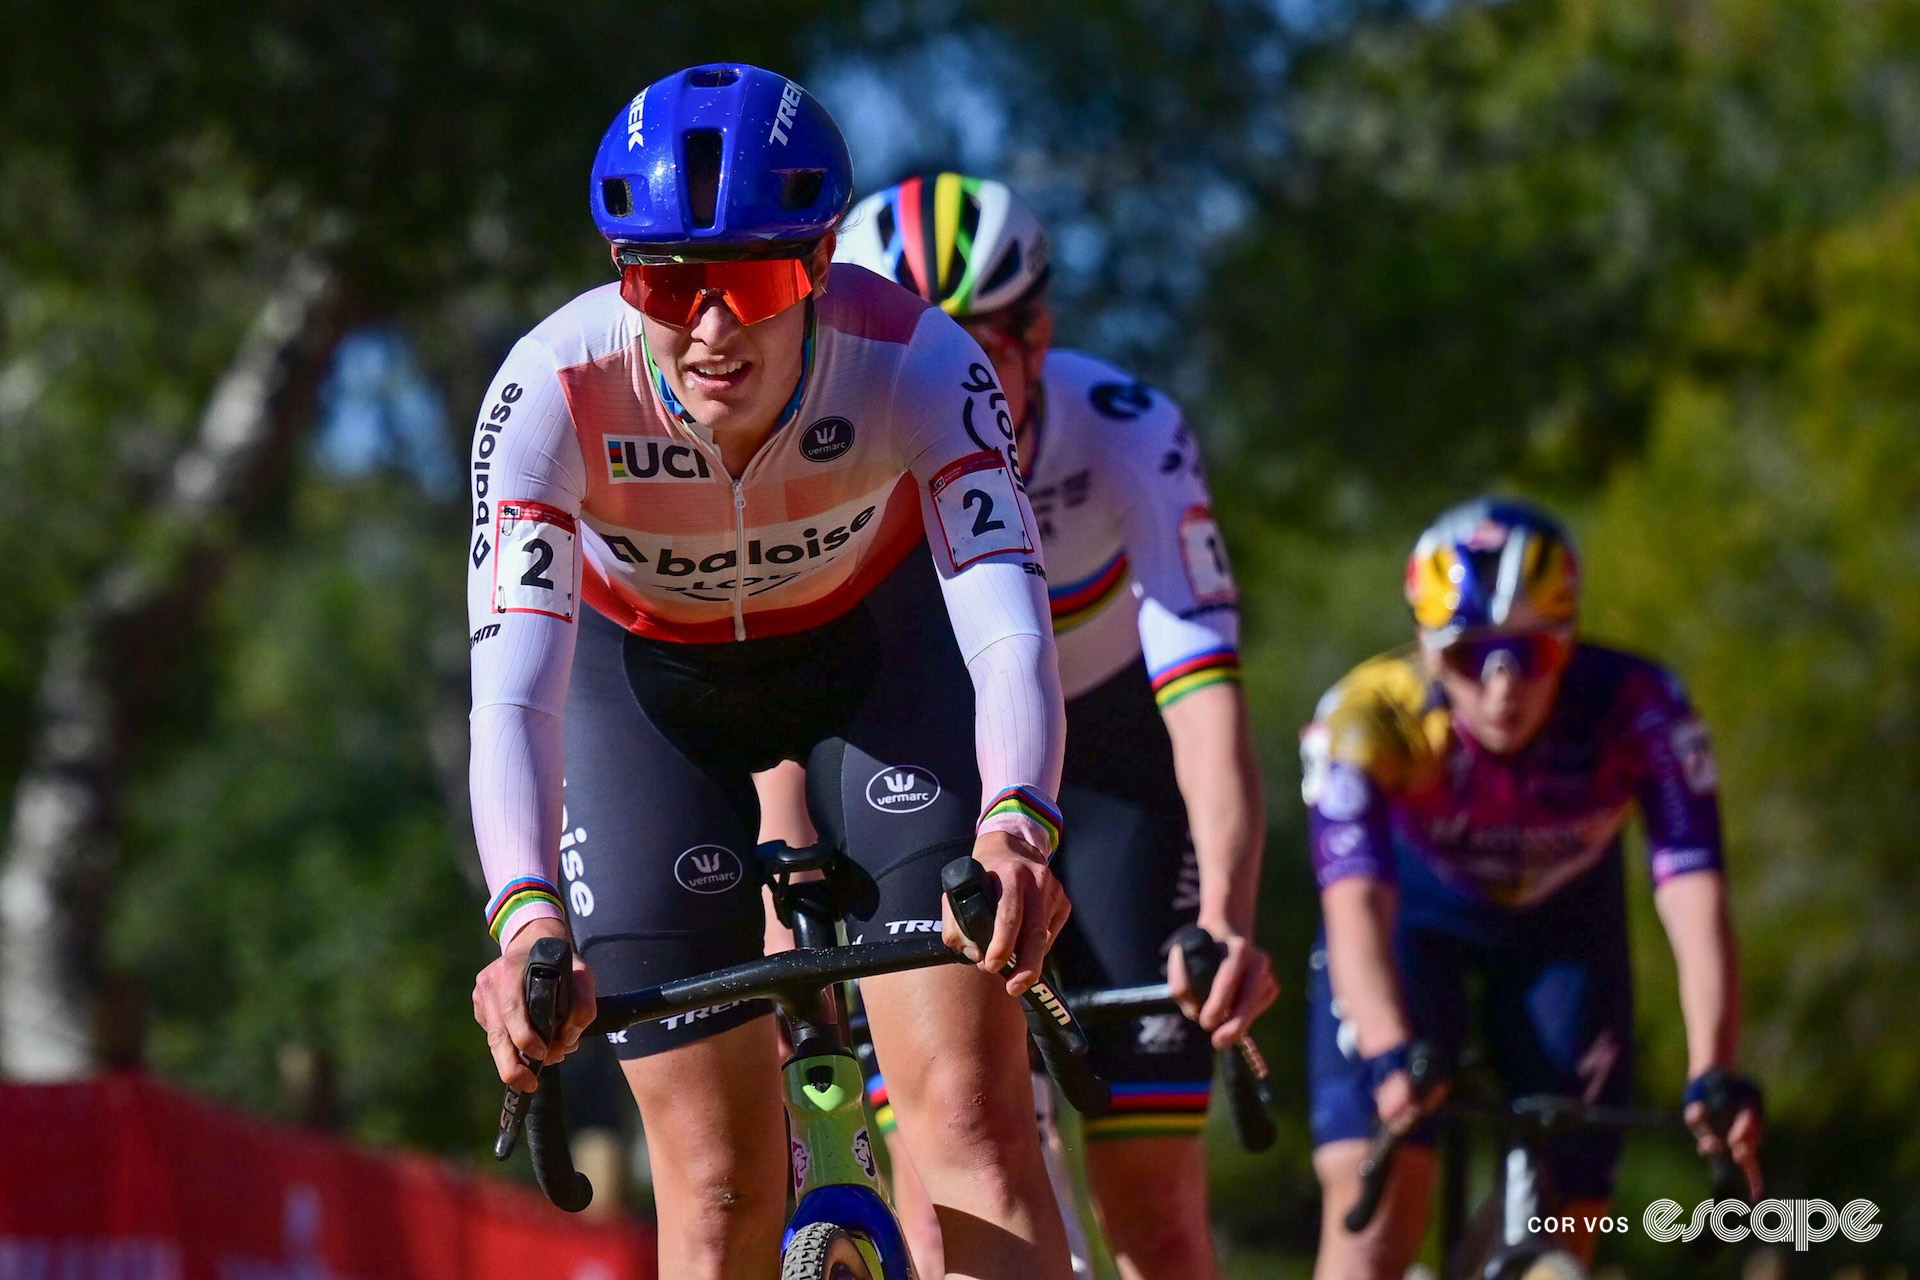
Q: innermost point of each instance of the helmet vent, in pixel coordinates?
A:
(703, 174)
(800, 188)
(883, 225)
(1004, 270)
(970, 217)
(712, 77)
(617, 196)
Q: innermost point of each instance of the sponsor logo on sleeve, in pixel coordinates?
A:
(1693, 748)
(1342, 794)
(1124, 401)
(902, 789)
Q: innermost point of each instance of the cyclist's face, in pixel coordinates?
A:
(1501, 697)
(1018, 353)
(735, 378)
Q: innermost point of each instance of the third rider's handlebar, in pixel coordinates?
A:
(1245, 1070)
(1062, 1044)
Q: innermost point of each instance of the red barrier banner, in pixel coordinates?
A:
(121, 1178)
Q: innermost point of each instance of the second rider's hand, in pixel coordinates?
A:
(499, 1006)
(1031, 912)
(1242, 990)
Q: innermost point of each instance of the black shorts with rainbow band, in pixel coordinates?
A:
(1128, 866)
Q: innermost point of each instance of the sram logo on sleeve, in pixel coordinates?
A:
(533, 571)
(978, 509)
(1204, 553)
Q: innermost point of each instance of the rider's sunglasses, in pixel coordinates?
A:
(1531, 653)
(754, 289)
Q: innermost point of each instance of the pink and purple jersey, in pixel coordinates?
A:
(1386, 775)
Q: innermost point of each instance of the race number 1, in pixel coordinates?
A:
(534, 569)
(979, 511)
(1205, 555)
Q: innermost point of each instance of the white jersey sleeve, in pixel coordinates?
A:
(523, 601)
(959, 446)
(1189, 605)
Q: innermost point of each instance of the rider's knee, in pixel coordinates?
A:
(720, 1208)
(964, 1119)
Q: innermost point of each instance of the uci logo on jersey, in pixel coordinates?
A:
(826, 440)
(708, 868)
(631, 459)
(904, 789)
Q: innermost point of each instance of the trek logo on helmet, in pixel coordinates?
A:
(635, 110)
(783, 117)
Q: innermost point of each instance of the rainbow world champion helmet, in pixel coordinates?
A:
(967, 245)
(1492, 563)
(721, 161)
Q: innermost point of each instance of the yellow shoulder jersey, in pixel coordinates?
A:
(1385, 718)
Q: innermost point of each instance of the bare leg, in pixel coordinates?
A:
(955, 1049)
(914, 1207)
(716, 1132)
(1152, 1197)
(1385, 1249)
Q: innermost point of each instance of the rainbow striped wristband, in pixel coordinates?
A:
(1024, 802)
(1216, 666)
(527, 891)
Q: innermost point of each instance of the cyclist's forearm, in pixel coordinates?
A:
(1219, 776)
(519, 757)
(1359, 914)
(1693, 909)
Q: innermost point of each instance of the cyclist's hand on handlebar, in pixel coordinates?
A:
(1398, 1103)
(1741, 1137)
(1033, 909)
(1242, 989)
(499, 1006)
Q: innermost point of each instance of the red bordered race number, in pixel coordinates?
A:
(535, 560)
(979, 509)
(1204, 553)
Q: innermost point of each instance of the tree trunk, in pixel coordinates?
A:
(111, 651)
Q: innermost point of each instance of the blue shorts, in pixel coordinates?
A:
(1556, 1014)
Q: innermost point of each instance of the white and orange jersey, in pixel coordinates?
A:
(1135, 561)
(592, 489)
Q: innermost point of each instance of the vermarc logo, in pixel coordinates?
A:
(708, 868)
(902, 789)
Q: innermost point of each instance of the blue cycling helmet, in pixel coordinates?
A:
(1493, 563)
(720, 161)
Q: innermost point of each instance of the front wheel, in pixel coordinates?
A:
(1550, 1264)
(1555, 1266)
(823, 1251)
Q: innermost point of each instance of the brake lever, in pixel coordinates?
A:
(544, 987)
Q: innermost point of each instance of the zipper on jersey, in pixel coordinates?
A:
(739, 562)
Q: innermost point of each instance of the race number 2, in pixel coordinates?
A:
(978, 509)
(534, 570)
(1205, 555)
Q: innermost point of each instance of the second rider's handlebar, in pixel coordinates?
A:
(1244, 1069)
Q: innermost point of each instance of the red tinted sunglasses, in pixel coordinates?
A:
(1532, 653)
(754, 289)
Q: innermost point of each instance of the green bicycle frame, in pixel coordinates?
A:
(827, 1137)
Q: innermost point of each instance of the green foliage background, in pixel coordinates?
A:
(1657, 263)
